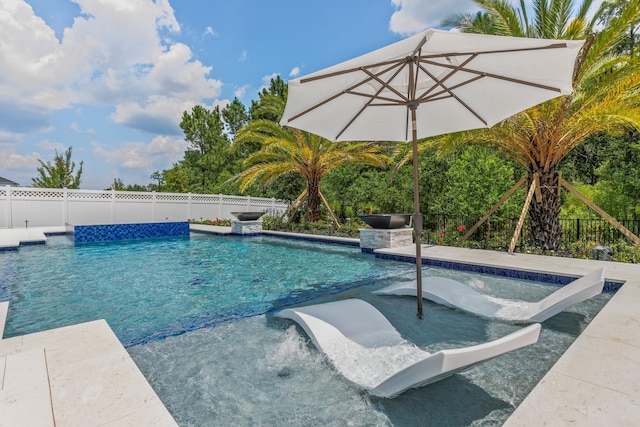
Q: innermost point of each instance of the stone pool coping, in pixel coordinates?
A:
(596, 381)
(11, 239)
(79, 375)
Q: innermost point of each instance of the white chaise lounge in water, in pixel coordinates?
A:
(367, 350)
(452, 293)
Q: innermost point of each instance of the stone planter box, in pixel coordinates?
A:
(246, 228)
(377, 238)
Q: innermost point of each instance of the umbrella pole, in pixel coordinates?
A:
(417, 216)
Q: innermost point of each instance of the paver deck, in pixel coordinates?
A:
(78, 375)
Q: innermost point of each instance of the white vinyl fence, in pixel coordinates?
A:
(41, 207)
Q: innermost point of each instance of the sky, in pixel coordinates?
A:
(112, 78)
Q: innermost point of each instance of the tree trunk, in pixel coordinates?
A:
(545, 232)
(313, 200)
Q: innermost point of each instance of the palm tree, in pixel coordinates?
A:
(606, 96)
(291, 151)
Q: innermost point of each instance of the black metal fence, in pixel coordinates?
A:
(497, 233)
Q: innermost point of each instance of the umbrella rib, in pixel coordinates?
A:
(488, 52)
(393, 62)
(438, 95)
(383, 86)
(439, 55)
(419, 47)
(450, 92)
(440, 82)
(348, 90)
(391, 101)
(428, 95)
(492, 75)
(386, 84)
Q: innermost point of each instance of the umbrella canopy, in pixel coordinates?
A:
(433, 83)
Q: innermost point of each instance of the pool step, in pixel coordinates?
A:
(10, 239)
(25, 396)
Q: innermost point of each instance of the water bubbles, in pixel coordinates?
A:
(285, 372)
(476, 284)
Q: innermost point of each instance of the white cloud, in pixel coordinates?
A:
(243, 56)
(158, 114)
(76, 128)
(174, 73)
(294, 72)
(95, 62)
(220, 103)
(47, 145)
(160, 153)
(266, 80)
(241, 91)
(10, 138)
(209, 32)
(412, 16)
(12, 160)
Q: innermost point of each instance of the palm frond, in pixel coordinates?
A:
(505, 19)
(612, 35)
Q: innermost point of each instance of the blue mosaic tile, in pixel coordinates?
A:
(109, 232)
(612, 287)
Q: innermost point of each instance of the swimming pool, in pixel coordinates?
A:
(161, 297)
(151, 289)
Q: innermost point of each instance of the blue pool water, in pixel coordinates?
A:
(196, 316)
(151, 289)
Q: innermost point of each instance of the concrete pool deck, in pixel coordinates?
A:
(78, 375)
(81, 374)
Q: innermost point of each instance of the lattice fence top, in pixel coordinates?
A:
(172, 197)
(37, 193)
(234, 200)
(133, 196)
(261, 202)
(205, 198)
(89, 195)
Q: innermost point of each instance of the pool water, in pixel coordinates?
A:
(196, 316)
(151, 289)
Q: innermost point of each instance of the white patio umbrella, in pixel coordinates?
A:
(433, 83)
